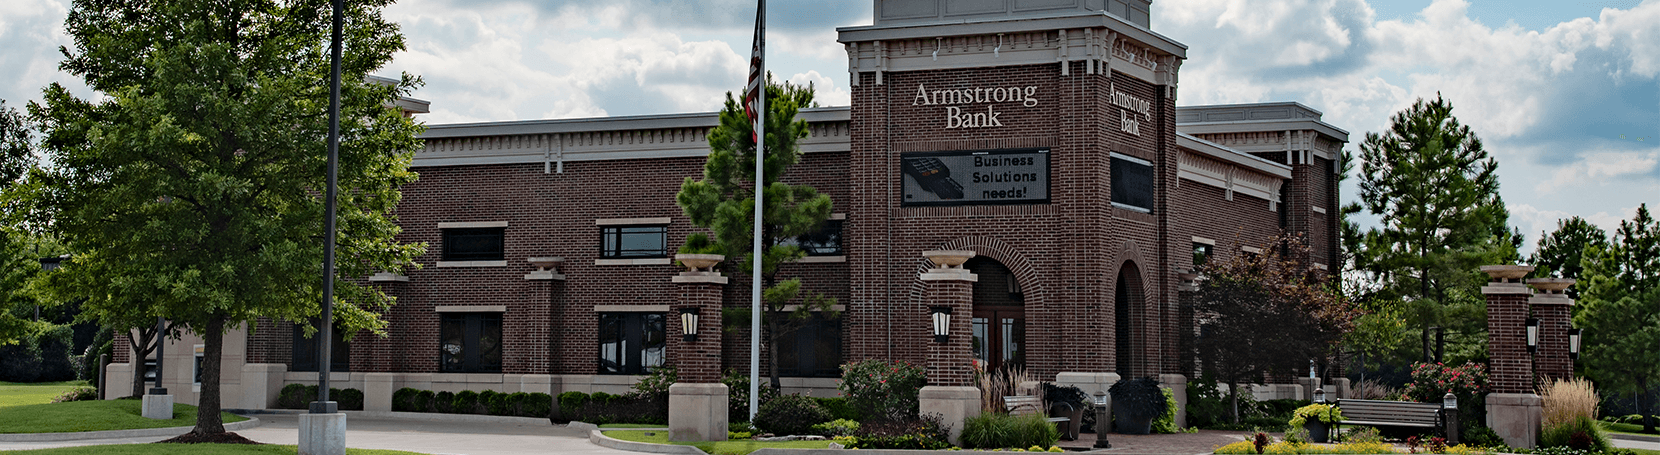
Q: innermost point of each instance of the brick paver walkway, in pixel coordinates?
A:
(1204, 441)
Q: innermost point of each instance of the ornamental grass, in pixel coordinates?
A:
(1567, 400)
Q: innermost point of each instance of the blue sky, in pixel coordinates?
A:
(1565, 93)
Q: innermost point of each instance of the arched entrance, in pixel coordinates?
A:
(1126, 298)
(999, 315)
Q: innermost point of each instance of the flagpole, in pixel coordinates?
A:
(760, 183)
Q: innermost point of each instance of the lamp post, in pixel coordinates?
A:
(1320, 395)
(942, 323)
(1103, 420)
(688, 323)
(1449, 413)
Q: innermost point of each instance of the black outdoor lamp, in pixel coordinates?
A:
(942, 323)
(1449, 401)
(1574, 335)
(1319, 394)
(1532, 335)
(688, 322)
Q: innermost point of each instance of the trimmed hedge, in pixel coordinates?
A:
(41, 354)
(601, 408)
(300, 396)
(488, 402)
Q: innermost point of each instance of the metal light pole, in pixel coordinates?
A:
(325, 336)
(161, 344)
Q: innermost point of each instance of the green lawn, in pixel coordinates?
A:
(740, 447)
(191, 449)
(632, 425)
(1633, 428)
(18, 394)
(93, 416)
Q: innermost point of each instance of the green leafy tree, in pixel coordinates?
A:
(1436, 191)
(1266, 313)
(1558, 253)
(192, 188)
(16, 267)
(724, 203)
(1619, 309)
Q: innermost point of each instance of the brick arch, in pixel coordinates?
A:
(1024, 273)
(997, 250)
(1143, 315)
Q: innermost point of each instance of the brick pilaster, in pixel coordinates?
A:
(697, 361)
(949, 362)
(1510, 369)
(1551, 306)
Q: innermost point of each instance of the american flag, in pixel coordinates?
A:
(757, 72)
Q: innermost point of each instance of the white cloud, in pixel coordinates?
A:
(826, 93)
(1602, 168)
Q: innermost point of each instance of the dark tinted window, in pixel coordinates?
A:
(473, 244)
(1132, 184)
(631, 343)
(814, 350)
(826, 242)
(634, 241)
(1201, 254)
(305, 350)
(470, 343)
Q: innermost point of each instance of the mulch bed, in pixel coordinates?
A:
(208, 438)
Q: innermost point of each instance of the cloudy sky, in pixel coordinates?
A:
(1565, 93)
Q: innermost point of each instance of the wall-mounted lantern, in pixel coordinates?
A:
(1532, 335)
(942, 323)
(688, 322)
(1574, 335)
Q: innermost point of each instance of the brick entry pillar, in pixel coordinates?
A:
(1513, 410)
(697, 402)
(1551, 306)
(950, 391)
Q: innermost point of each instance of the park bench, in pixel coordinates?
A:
(1029, 404)
(1381, 413)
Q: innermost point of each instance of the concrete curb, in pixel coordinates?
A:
(602, 440)
(1633, 437)
(582, 426)
(413, 416)
(114, 434)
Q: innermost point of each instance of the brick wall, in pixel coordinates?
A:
(1552, 359)
(698, 361)
(948, 363)
(1509, 368)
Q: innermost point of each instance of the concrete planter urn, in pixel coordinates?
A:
(697, 262)
(948, 259)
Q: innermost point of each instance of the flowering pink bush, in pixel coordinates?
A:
(883, 390)
(1431, 381)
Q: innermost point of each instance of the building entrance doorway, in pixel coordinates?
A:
(999, 316)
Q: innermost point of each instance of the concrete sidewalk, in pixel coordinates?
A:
(439, 438)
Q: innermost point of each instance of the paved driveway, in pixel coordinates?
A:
(443, 438)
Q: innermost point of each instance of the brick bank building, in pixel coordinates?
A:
(1043, 136)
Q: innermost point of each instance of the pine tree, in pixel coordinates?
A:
(724, 202)
(1436, 191)
(1619, 309)
(1559, 253)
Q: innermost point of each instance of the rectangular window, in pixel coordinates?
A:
(633, 241)
(631, 343)
(473, 244)
(305, 350)
(1201, 253)
(470, 343)
(814, 350)
(1132, 183)
(826, 242)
